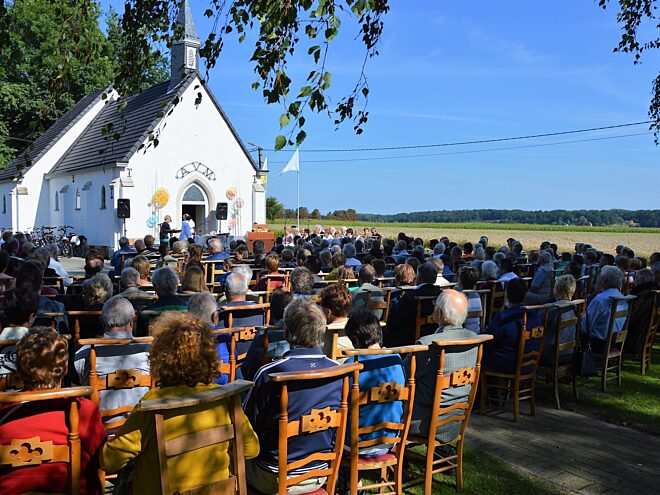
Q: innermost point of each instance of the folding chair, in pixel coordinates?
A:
(524, 374)
(448, 379)
(164, 409)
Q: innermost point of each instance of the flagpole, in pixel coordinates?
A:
(298, 199)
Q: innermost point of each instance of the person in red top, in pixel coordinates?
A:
(272, 268)
(42, 361)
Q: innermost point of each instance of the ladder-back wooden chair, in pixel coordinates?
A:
(385, 393)
(521, 384)
(22, 453)
(568, 316)
(119, 379)
(233, 338)
(377, 301)
(581, 287)
(48, 319)
(483, 295)
(612, 356)
(424, 322)
(316, 421)
(237, 313)
(456, 413)
(76, 317)
(651, 332)
(164, 409)
(495, 299)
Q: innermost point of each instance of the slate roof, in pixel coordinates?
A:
(133, 125)
(127, 128)
(116, 133)
(48, 139)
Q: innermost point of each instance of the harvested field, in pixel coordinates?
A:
(643, 243)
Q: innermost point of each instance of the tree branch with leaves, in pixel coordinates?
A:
(634, 16)
(283, 27)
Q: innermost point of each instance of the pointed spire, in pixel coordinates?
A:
(185, 19)
(185, 50)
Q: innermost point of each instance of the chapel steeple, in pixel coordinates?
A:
(185, 48)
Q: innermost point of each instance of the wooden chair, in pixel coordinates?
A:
(385, 393)
(24, 452)
(278, 281)
(525, 370)
(459, 412)
(377, 301)
(243, 311)
(613, 351)
(317, 420)
(76, 316)
(55, 283)
(424, 315)
(556, 370)
(120, 379)
(164, 409)
(651, 332)
(9, 381)
(581, 290)
(495, 300)
(51, 317)
(483, 295)
(239, 335)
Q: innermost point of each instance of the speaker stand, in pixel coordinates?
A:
(124, 229)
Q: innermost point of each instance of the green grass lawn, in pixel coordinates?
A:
(635, 404)
(483, 474)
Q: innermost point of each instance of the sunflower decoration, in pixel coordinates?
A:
(160, 198)
(231, 193)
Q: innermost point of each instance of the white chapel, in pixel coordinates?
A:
(169, 150)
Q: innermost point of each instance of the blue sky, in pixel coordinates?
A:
(459, 71)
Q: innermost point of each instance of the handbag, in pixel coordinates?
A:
(586, 361)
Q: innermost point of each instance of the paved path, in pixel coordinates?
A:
(578, 453)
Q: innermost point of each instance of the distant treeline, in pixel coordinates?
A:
(641, 218)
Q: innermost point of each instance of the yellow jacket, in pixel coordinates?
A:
(137, 439)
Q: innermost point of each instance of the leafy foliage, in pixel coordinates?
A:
(573, 220)
(52, 53)
(635, 18)
(274, 208)
(644, 218)
(283, 28)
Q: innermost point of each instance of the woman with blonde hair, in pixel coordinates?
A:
(193, 281)
(141, 264)
(184, 361)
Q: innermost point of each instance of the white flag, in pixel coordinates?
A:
(293, 165)
(264, 165)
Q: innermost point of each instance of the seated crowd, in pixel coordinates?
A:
(168, 320)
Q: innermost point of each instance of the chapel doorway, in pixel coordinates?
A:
(195, 204)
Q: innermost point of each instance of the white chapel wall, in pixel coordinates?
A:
(192, 133)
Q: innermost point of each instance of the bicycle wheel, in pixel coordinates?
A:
(65, 248)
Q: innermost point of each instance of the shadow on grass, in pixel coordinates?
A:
(483, 474)
(635, 404)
